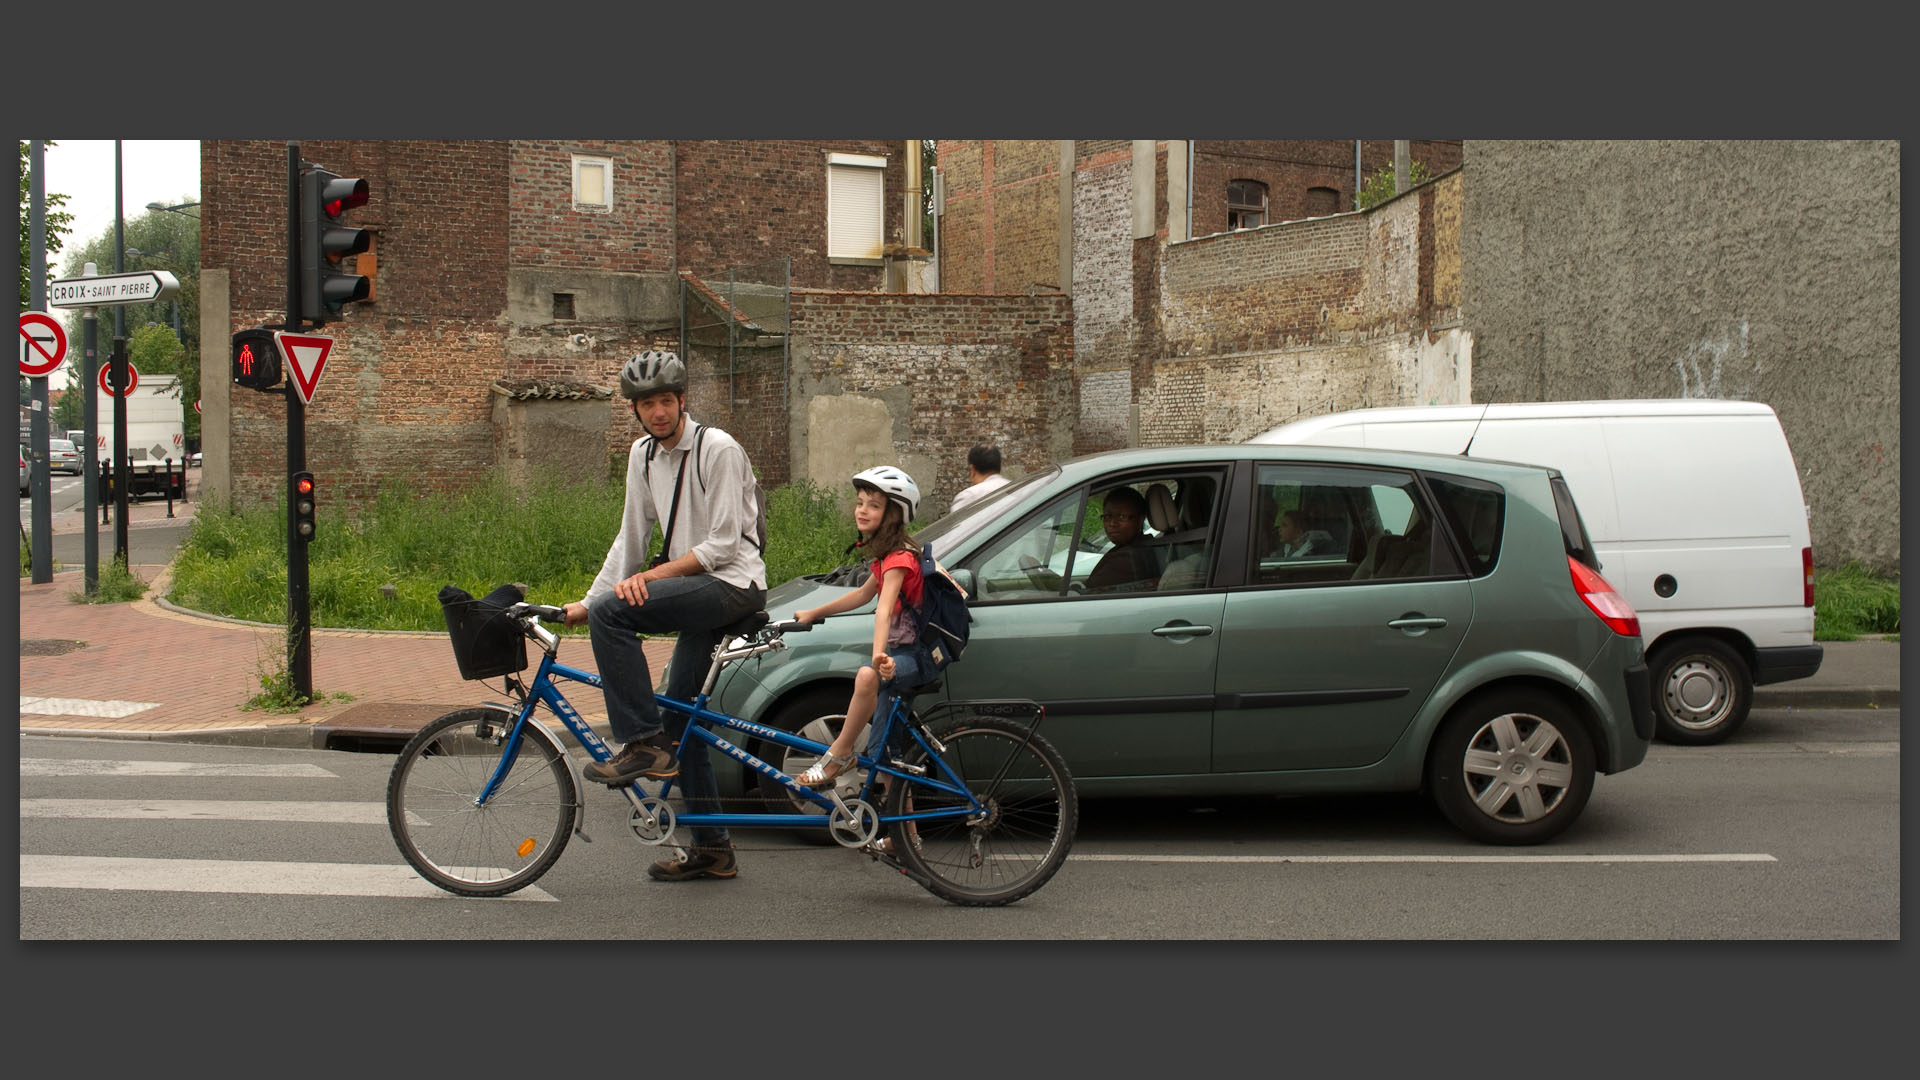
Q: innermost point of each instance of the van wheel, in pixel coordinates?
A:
(1511, 767)
(1701, 691)
(816, 715)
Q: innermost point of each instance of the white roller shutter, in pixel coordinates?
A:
(855, 195)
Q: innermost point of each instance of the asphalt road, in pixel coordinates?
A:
(1791, 832)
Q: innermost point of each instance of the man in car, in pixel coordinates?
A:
(1129, 564)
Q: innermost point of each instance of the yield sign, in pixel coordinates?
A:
(306, 357)
(43, 344)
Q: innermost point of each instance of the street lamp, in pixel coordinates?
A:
(180, 209)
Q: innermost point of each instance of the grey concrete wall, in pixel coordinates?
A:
(1760, 271)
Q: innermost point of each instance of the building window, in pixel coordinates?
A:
(856, 193)
(1246, 204)
(1322, 201)
(592, 183)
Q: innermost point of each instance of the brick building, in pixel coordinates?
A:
(511, 279)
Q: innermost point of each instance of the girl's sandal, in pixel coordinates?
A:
(825, 771)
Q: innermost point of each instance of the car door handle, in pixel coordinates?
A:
(1417, 623)
(1182, 630)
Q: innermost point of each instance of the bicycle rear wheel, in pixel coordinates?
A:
(1023, 836)
(434, 813)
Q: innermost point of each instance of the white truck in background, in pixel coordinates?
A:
(156, 432)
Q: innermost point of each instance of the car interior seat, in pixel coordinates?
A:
(1162, 514)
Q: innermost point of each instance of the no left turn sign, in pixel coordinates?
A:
(43, 344)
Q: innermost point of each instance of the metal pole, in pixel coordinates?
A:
(42, 482)
(92, 468)
(299, 643)
(122, 462)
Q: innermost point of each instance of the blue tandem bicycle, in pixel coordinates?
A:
(977, 808)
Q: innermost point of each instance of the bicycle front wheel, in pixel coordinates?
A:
(1017, 839)
(461, 844)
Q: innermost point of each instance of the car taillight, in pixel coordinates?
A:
(1601, 598)
(1806, 565)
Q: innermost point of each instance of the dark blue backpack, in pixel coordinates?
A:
(942, 620)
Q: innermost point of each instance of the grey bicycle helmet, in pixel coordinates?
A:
(892, 483)
(651, 372)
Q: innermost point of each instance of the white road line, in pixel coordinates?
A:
(217, 876)
(67, 706)
(66, 767)
(1676, 858)
(326, 813)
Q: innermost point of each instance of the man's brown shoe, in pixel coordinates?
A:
(635, 760)
(712, 862)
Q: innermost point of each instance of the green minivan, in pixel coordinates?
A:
(1285, 620)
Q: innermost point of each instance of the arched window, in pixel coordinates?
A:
(1246, 204)
(1322, 201)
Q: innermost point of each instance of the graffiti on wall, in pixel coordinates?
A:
(1718, 366)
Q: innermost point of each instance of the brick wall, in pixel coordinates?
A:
(1290, 167)
(635, 234)
(404, 393)
(1265, 325)
(956, 369)
(746, 201)
(1001, 230)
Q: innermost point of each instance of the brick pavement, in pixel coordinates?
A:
(199, 671)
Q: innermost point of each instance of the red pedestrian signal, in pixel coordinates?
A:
(256, 360)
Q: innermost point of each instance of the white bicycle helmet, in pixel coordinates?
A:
(651, 372)
(892, 483)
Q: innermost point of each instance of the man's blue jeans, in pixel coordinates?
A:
(695, 607)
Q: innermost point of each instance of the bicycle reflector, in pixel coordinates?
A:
(303, 501)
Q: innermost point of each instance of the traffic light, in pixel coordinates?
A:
(326, 288)
(303, 505)
(256, 360)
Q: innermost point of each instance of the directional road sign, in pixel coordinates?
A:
(306, 357)
(43, 344)
(112, 290)
(106, 378)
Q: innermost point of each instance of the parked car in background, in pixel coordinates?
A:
(1696, 515)
(1457, 639)
(63, 457)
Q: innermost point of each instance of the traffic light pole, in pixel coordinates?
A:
(122, 481)
(299, 643)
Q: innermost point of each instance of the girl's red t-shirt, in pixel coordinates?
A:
(903, 631)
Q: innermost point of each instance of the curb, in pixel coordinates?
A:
(1815, 697)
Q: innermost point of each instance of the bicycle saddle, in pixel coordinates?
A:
(748, 624)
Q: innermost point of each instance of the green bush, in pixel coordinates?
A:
(1850, 601)
(384, 571)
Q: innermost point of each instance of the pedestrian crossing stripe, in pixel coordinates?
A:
(57, 706)
(317, 813)
(226, 876)
(76, 767)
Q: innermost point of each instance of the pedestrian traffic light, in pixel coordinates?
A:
(325, 287)
(256, 359)
(303, 505)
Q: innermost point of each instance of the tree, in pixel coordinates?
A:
(1379, 186)
(165, 241)
(929, 157)
(56, 220)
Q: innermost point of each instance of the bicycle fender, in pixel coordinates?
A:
(533, 728)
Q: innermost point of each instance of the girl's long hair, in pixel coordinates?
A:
(890, 537)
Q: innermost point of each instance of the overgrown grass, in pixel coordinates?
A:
(1850, 601)
(553, 536)
(115, 585)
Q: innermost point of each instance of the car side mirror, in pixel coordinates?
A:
(964, 579)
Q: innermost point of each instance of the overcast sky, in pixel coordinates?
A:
(150, 171)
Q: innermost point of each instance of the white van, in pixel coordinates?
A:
(1694, 509)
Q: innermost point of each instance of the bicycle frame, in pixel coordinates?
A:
(543, 690)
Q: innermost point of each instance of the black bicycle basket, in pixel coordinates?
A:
(486, 643)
